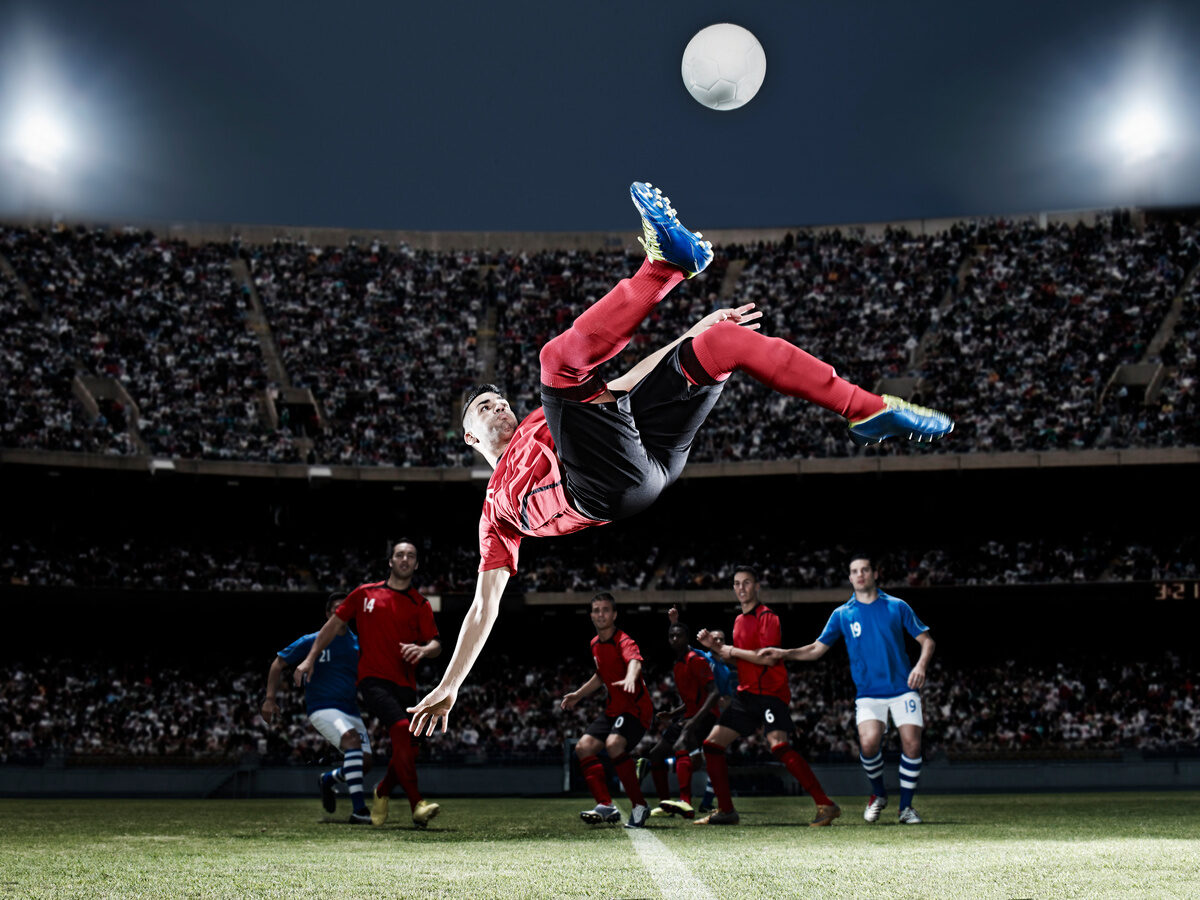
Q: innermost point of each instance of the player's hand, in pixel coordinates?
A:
(434, 708)
(740, 315)
(916, 678)
(269, 708)
(570, 701)
(772, 655)
(411, 653)
(673, 615)
(663, 717)
(302, 673)
(706, 638)
(628, 684)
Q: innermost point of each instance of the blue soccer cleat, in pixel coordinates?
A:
(899, 418)
(664, 237)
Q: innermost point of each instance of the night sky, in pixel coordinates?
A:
(536, 116)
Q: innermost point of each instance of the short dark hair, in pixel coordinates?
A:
(679, 624)
(605, 597)
(402, 540)
(749, 570)
(474, 392)
(334, 598)
(861, 555)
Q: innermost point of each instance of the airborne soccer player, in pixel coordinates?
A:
(396, 630)
(595, 452)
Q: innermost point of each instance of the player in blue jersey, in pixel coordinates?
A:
(873, 624)
(331, 697)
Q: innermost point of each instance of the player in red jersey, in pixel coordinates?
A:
(396, 631)
(761, 701)
(626, 715)
(686, 724)
(595, 452)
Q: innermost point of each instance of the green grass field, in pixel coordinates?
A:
(1070, 845)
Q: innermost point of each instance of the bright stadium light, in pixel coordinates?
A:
(40, 140)
(1141, 132)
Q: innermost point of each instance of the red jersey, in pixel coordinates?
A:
(612, 662)
(693, 680)
(386, 618)
(525, 497)
(752, 631)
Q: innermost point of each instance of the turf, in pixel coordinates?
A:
(1073, 845)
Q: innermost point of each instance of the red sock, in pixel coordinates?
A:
(718, 774)
(593, 774)
(662, 786)
(403, 766)
(683, 771)
(781, 366)
(629, 780)
(798, 766)
(604, 328)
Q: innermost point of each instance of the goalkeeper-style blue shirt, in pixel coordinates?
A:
(334, 680)
(874, 634)
(723, 675)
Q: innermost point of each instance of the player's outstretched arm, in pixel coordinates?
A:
(807, 653)
(742, 315)
(435, 706)
(274, 680)
(589, 687)
(916, 678)
(633, 673)
(331, 629)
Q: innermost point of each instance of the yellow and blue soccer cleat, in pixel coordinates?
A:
(899, 418)
(665, 239)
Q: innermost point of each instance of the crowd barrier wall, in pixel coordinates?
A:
(840, 780)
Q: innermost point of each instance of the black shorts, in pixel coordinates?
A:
(695, 737)
(618, 457)
(749, 712)
(625, 725)
(387, 701)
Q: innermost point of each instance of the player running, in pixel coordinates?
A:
(686, 724)
(595, 452)
(762, 701)
(626, 716)
(329, 696)
(873, 624)
(396, 629)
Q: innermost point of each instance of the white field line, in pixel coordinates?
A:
(673, 878)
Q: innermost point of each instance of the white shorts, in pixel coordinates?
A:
(333, 723)
(905, 710)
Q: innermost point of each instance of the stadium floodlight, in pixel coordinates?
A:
(40, 140)
(1141, 132)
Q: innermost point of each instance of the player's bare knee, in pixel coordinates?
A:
(615, 745)
(351, 741)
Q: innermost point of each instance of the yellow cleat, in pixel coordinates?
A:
(423, 812)
(379, 809)
(825, 815)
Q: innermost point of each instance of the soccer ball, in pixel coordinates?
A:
(724, 66)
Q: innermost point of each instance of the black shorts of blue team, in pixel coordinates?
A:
(617, 457)
(749, 712)
(625, 725)
(386, 701)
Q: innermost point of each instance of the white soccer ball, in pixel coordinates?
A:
(724, 66)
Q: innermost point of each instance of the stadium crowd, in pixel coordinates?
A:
(615, 560)
(78, 710)
(1014, 327)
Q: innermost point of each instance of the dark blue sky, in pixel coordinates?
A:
(536, 116)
